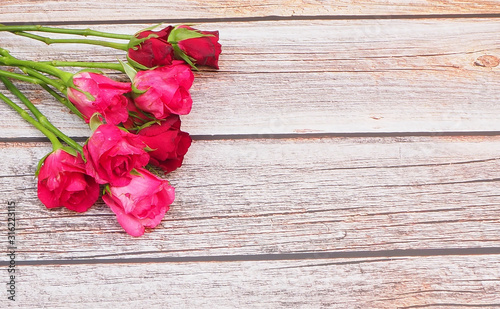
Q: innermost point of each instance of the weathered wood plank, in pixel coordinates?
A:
(417, 282)
(50, 11)
(286, 195)
(335, 77)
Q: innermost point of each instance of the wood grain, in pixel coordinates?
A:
(395, 221)
(418, 282)
(263, 196)
(69, 11)
(336, 77)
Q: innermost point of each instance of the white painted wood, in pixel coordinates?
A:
(335, 77)
(45, 11)
(282, 196)
(243, 202)
(436, 282)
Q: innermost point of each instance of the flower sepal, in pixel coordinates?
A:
(135, 41)
(95, 121)
(179, 34)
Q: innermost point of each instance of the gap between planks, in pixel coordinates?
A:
(221, 137)
(258, 18)
(442, 282)
(271, 257)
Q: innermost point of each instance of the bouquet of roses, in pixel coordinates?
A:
(135, 125)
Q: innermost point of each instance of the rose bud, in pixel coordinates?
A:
(142, 203)
(153, 51)
(165, 90)
(168, 142)
(109, 99)
(62, 181)
(112, 154)
(204, 50)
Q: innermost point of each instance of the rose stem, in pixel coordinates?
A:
(56, 144)
(98, 65)
(41, 117)
(63, 100)
(49, 41)
(84, 32)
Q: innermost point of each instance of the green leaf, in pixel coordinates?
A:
(91, 71)
(148, 28)
(123, 129)
(135, 172)
(95, 121)
(83, 156)
(181, 54)
(134, 42)
(70, 150)
(107, 189)
(136, 92)
(149, 149)
(155, 171)
(87, 94)
(129, 70)
(40, 163)
(179, 34)
(148, 124)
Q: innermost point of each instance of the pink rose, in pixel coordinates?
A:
(142, 203)
(170, 144)
(166, 90)
(204, 50)
(109, 99)
(62, 181)
(112, 154)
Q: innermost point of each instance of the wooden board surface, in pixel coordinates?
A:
(336, 77)
(404, 283)
(112, 10)
(263, 196)
(274, 208)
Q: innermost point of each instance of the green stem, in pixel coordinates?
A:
(21, 77)
(63, 100)
(56, 144)
(44, 79)
(49, 41)
(98, 65)
(41, 117)
(4, 52)
(84, 32)
(66, 77)
(10, 86)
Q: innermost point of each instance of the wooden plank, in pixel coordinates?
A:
(50, 11)
(262, 196)
(417, 282)
(363, 76)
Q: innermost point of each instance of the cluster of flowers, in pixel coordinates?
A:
(136, 125)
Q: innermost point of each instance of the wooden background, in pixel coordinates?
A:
(346, 155)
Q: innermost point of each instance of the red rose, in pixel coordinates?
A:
(62, 181)
(142, 203)
(155, 51)
(109, 99)
(170, 144)
(205, 50)
(112, 154)
(166, 90)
